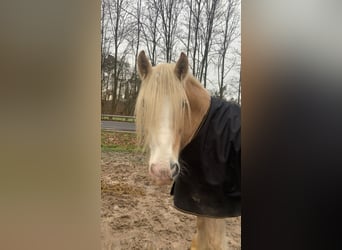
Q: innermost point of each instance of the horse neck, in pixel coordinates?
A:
(199, 102)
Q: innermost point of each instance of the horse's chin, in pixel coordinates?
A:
(161, 177)
(162, 182)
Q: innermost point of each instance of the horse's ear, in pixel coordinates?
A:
(182, 66)
(144, 65)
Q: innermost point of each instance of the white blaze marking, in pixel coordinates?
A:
(161, 144)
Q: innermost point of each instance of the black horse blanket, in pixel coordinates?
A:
(210, 180)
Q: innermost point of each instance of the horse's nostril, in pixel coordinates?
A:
(175, 168)
(174, 165)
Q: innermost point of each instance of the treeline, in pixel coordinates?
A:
(204, 29)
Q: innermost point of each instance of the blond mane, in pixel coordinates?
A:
(161, 86)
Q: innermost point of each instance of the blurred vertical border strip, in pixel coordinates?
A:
(292, 124)
(50, 125)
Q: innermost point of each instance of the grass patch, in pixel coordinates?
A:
(119, 141)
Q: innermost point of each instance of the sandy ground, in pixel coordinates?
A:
(138, 215)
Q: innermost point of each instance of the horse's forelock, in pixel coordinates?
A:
(162, 85)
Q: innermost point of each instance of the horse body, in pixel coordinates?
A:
(170, 109)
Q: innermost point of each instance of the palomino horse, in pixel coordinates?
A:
(194, 142)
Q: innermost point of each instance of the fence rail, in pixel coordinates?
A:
(118, 118)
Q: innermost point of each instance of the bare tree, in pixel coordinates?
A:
(106, 42)
(229, 34)
(169, 12)
(135, 42)
(138, 32)
(195, 10)
(189, 27)
(150, 29)
(118, 17)
(205, 29)
(211, 7)
(202, 17)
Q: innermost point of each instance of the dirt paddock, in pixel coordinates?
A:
(138, 215)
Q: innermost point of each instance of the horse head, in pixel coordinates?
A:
(161, 114)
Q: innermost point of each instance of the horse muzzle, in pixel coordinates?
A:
(164, 174)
